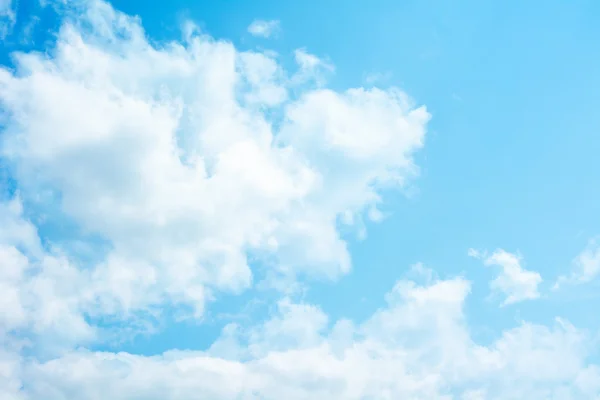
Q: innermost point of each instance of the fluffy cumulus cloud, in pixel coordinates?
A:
(417, 346)
(187, 158)
(152, 176)
(514, 282)
(265, 29)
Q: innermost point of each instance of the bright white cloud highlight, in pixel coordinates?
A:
(514, 282)
(265, 29)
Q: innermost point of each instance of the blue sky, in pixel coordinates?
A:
(297, 193)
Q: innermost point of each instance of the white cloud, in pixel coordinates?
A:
(186, 159)
(262, 28)
(307, 60)
(585, 267)
(514, 282)
(41, 292)
(417, 346)
(312, 68)
(171, 156)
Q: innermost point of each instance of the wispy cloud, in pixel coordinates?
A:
(7, 17)
(265, 29)
(584, 268)
(514, 282)
(377, 78)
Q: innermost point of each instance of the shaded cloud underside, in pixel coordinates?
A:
(182, 161)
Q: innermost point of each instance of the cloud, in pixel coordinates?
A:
(514, 282)
(7, 17)
(377, 77)
(585, 267)
(265, 29)
(310, 62)
(42, 293)
(171, 157)
(417, 346)
(312, 69)
(149, 176)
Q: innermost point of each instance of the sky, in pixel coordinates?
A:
(299, 200)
